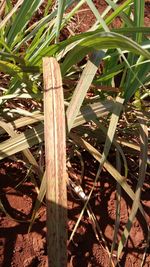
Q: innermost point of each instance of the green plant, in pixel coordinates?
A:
(23, 45)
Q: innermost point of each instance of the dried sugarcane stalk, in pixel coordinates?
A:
(55, 154)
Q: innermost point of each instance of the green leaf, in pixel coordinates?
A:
(142, 171)
(100, 41)
(119, 11)
(19, 75)
(28, 155)
(21, 142)
(24, 15)
(139, 18)
(38, 201)
(60, 12)
(115, 174)
(82, 88)
(35, 135)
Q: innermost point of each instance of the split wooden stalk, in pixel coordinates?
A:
(55, 155)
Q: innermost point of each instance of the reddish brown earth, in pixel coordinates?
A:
(20, 248)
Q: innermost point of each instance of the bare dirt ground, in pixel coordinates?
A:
(20, 248)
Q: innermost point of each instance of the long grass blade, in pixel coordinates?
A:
(35, 135)
(60, 12)
(19, 75)
(139, 18)
(101, 41)
(22, 141)
(109, 139)
(118, 207)
(142, 171)
(39, 199)
(115, 143)
(82, 88)
(115, 174)
(28, 155)
(38, 51)
(118, 10)
(97, 15)
(24, 15)
(10, 14)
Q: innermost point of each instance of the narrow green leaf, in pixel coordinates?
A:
(139, 18)
(97, 15)
(21, 142)
(19, 75)
(96, 40)
(24, 15)
(100, 41)
(86, 114)
(119, 11)
(109, 74)
(129, 30)
(60, 12)
(10, 14)
(82, 88)
(28, 155)
(118, 206)
(142, 171)
(36, 54)
(109, 138)
(35, 135)
(115, 174)
(115, 143)
(38, 201)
